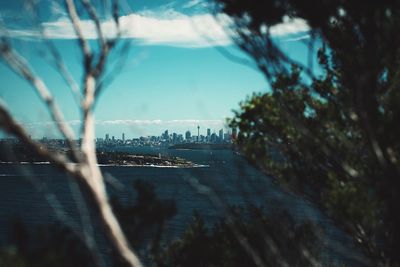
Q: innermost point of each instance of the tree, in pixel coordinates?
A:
(333, 139)
(276, 240)
(86, 172)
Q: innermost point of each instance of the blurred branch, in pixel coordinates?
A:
(56, 56)
(86, 172)
(73, 16)
(12, 127)
(18, 64)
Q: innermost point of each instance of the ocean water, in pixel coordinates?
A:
(40, 194)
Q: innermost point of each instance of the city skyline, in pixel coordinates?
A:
(204, 133)
(164, 139)
(208, 132)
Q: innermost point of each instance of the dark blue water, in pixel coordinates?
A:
(39, 194)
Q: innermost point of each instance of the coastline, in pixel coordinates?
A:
(22, 155)
(115, 165)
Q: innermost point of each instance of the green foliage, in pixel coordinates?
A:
(274, 239)
(334, 138)
(310, 141)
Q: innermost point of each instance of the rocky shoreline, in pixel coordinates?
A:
(127, 159)
(18, 154)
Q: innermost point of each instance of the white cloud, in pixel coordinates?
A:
(187, 122)
(290, 26)
(128, 122)
(51, 123)
(166, 27)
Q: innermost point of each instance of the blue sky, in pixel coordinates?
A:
(173, 78)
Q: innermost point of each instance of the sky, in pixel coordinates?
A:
(174, 75)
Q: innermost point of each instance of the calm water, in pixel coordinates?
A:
(33, 192)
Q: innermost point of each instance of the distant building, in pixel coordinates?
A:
(123, 137)
(188, 135)
(221, 135)
(107, 137)
(227, 137)
(213, 138)
(165, 135)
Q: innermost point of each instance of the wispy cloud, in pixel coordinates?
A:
(128, 122)
(166, 27)
(290, 26)
(50, 123)
(188, 122)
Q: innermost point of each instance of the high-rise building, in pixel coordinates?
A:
(107, 137)
(188, 135)
(123, 137)
(221, 135)
(213, 138)
(227, 137)
(198, 133)
(208, 133)
(166, 135)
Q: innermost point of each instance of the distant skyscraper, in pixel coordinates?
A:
(166, 135)
(208, 133)
(221, 135)
(123, 137)
(213, 138)
(188, 135)
(198, 133)
(226, 137)
(107, 137)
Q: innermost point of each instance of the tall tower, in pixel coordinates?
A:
(198, 133)
(123, 137)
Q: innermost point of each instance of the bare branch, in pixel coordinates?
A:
(73, 15)
(95, 18)
(87, 171)
(11, 126)
(115, 70)
(21, 67)
(57, 59)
